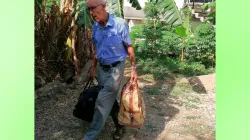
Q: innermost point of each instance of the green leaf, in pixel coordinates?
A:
(186, 26)
(83, 17)
(212, 14)
(208, 5)
(169, 12)
(167, 33)
(135, 4)
(181, 31)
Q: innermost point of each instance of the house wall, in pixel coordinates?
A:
(135, 21)
(180, 3)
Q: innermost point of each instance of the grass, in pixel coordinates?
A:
(190, 105)
(191, 117)
(149, 77)
(180, 89)
(181, 132)
(155, 107)
(161, 114)
(150, 127)
(183, 86)
(161, 99)
(193, 99)
(153, 91)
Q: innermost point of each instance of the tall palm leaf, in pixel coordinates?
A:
(169, 11)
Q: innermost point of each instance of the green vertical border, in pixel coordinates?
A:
(233, 70)
(17, 70)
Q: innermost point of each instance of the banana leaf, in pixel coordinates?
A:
(208, 5)
(169, 12)
(116, 6)
(83, 17)
(135, 4)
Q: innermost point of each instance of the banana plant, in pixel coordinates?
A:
(183, 31)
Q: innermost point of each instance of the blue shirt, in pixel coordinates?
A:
(112, 40)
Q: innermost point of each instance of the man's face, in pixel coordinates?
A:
(96, 10)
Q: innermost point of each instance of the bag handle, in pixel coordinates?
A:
(131, 83)
(91, 82)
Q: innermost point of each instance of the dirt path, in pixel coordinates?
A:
(177, 109)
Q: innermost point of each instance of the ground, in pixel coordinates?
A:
(178, 108)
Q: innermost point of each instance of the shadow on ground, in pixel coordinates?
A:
(197, 85)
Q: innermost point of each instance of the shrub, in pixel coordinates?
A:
(204, 49)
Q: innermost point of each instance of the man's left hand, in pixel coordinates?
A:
(133, 75)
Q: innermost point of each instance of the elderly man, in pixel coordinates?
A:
(111, 38)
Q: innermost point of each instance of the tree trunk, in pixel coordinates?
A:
(62, 2)
(74, 30)
(65, 13)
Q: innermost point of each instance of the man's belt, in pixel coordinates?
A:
(111, 65)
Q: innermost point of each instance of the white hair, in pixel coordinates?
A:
(102, 1)
(91, 2)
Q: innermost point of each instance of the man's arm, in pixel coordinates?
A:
(95, 60)
(93, 67)
(132, 62)
(131, 55)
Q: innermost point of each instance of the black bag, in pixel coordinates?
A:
(84, 109)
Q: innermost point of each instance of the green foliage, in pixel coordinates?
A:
(192, 69)
(204, 48)
(158, 44)
(211, 15)
(150, 10)
(136, 32)
(161, 67)
(153, 91)
(208, 5)
(165, 9)
(169, 11)
(154, 39)
(135, 4)
(186, 12)
(82, 15)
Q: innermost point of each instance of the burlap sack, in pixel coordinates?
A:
(132, 111)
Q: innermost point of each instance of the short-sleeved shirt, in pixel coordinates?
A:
(112, 40)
